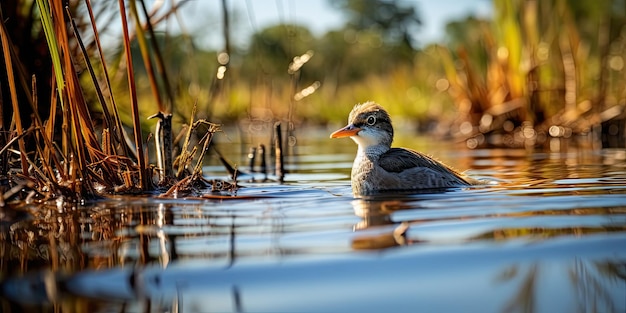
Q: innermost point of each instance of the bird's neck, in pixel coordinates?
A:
(372, 151)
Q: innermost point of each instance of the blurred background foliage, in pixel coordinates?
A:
(536, 69)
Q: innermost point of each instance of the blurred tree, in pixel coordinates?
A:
(396, 23)
(273, 48)
(353, 56)
(378, 37)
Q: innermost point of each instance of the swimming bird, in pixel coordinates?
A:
(380, 168)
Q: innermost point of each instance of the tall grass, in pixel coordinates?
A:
(542, 78)
(63, 154)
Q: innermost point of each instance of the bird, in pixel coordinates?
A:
(379, 168)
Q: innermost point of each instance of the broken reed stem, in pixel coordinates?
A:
(185, 156)
(158, 136)
(163, 145)
(205, 147)
(280, 170)
(13, 139)
(252, 158)
(133, 100)
(263, 163)
(38, 173)
(164, 125)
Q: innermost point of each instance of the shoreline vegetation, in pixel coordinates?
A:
(77, 124)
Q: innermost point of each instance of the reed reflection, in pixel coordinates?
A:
(596, 285)
(134, 234)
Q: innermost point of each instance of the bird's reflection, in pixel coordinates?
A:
(376, 214)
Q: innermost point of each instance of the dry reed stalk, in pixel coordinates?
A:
(117, 130)
(190, 182)
(166, 141)
(145, 53)
(163, 140)
(6, 48)
(46, 162)
(164, 130)
(39, 177)
(206, 139)
(160, 64)
(105, 110)
(184, 157)
(69, 93)
(51, 149)
(143, 181)
(280, 169)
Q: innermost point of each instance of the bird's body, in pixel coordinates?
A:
(379, 168)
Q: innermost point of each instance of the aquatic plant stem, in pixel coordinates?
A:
(117, 130)
(280, 169)
(141, 161)
(160, 65)
(212, 129)
(105, 110)
(145, 53)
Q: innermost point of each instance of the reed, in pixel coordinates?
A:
(6, 48)
(189, 179)
(536, 84)
(63, 155)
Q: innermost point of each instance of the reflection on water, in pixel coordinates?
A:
(553, 228)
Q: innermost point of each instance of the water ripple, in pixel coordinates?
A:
(554, 225)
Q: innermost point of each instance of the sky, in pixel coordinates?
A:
(202, 18)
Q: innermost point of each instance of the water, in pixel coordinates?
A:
(549, 237)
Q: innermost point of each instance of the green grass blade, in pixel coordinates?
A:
(53, 45)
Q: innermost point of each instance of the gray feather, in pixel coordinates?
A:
(397, 160)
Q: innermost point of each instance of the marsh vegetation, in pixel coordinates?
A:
(75, 120)
(105, 149)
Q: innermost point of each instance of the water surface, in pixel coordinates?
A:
(549, 237)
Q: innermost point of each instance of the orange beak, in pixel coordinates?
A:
(347, 131)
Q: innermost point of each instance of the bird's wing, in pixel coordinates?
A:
(399, 159)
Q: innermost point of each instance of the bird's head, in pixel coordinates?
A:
(368, 125)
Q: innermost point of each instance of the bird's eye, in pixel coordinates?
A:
(371, 120)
